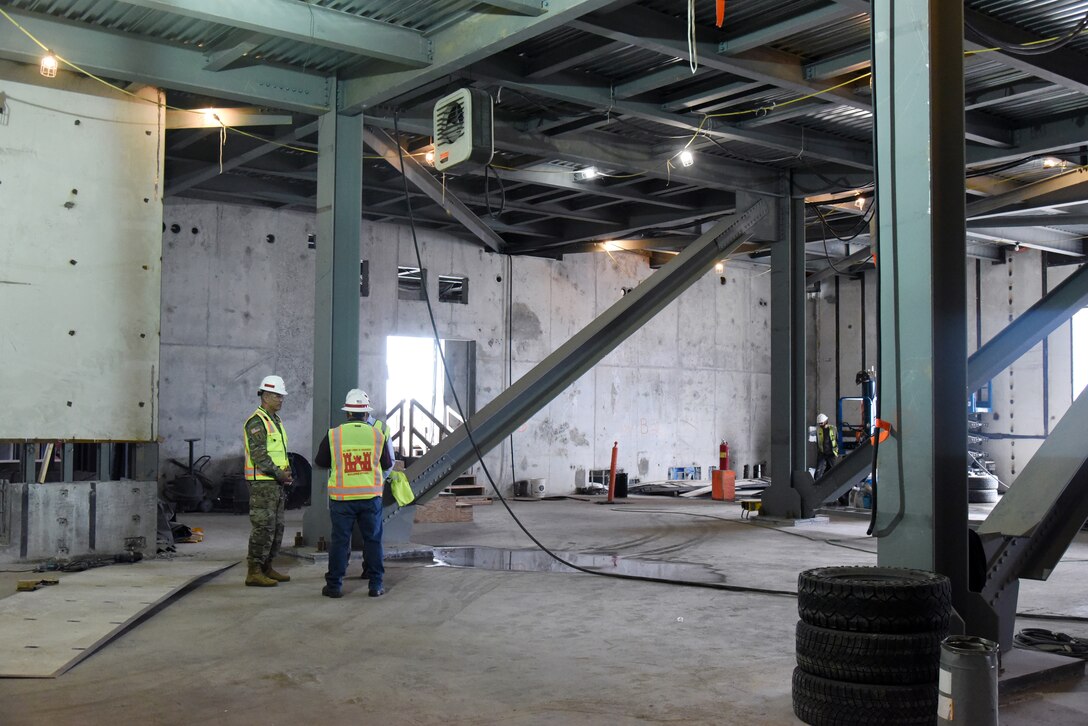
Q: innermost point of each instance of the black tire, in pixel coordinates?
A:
(903, 659)
(982, 497)
(874, 599)
(981, 482)
(824, 702)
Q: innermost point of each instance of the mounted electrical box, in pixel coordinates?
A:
(464, 129)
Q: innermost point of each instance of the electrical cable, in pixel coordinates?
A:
(1038, 47)
(488, 171)
(479, 454)
(1050, 642)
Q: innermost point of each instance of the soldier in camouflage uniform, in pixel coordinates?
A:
(268, 474)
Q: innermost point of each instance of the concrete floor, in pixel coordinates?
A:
(463, 646)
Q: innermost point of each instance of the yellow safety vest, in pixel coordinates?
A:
(356, 468)
(820, 440)
(276, 444)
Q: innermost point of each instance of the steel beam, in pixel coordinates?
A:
(1033, 524)
(147, 61)
(306, 23)
(336, 297)
(785, 28)
(1028, 330)
(564, 87)
(1062, 188)
(645, 28)
(788, 425)
(1047, 137)
(521, 7)
(386, 146)
(604, 151)
(231, 56)
(447, 460)
(827, 273)
(462, 44)
(212, 170)
(921, 510)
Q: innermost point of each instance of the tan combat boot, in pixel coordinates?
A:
(256, 578)
(273, 575)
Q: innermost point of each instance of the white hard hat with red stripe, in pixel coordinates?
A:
(273, 384)
(356, 401)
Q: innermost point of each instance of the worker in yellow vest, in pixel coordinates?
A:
(827, 446)
(268, 474)
(356, 456)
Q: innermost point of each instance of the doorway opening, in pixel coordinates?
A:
(422, 407)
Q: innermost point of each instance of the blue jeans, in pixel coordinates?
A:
(344, 515)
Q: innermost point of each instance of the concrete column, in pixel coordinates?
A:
(922, 493)
(336, 305)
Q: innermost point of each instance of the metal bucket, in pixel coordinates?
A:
(967, 683)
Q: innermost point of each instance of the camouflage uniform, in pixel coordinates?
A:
(266, 498)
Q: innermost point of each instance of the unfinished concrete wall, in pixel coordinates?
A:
(80, 190)
(236, 307)
(1028, 398)
(66, 520)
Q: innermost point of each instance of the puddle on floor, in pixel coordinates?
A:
(493, 558)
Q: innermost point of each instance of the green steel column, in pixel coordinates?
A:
(788, 445)
(336, 306)
(922, 492)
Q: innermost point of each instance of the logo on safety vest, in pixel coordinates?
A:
(354, 464)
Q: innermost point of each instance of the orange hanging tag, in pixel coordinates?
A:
(885, 432)
(721, 12)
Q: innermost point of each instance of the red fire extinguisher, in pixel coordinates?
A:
(723, 455)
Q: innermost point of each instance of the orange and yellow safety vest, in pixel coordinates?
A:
(356, 469)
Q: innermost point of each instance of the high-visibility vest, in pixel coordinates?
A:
(820, 440)
(356, 468)
(276, 444)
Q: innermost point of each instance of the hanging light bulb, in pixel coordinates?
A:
(48, 68)
(687, 158)
(719, 268)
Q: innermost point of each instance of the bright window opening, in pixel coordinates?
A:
(1080, 351)
(421, 404)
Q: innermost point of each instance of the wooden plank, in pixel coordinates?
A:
(46, 632)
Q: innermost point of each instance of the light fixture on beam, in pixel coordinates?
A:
(48, 67)
(590, 172)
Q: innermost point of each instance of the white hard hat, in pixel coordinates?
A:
(356, 401)
(273, 384)
(821, 419)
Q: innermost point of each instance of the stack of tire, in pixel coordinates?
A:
(981, 488)
(869, 645)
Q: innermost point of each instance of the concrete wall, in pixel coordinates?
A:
(1001, 292)
(80, 190)
(236, 307)
(66, 520)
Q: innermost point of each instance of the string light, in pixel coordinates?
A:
(429, 156)
(687, 158)
(590, 172)
(719, 268)
(48, 68)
